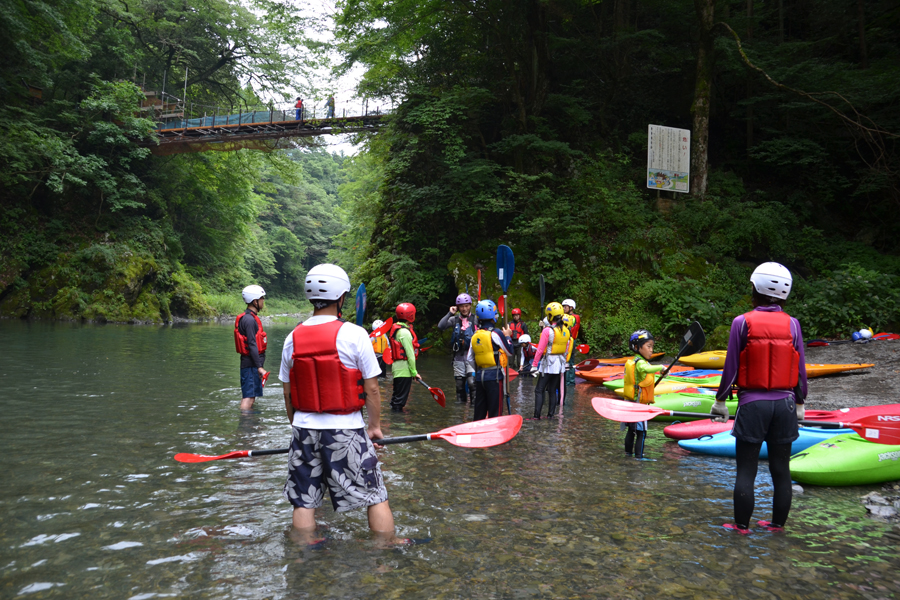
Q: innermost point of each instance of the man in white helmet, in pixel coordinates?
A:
(767, 362)
(569, 309)
(250, 342)
(329, 372)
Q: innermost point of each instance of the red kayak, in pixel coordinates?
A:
(694, 429)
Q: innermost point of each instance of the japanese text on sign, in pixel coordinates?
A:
(668, 158)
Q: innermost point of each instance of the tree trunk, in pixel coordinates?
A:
(861, 14)
(702, 95)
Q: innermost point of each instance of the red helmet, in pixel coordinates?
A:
(406, 311)
(516, 311)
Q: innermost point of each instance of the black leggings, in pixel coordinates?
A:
(630, 445)
(747, 466)
(550, 383)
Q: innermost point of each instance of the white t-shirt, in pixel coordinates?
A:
(355, 351)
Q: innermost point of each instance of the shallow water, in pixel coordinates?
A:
(92, 504)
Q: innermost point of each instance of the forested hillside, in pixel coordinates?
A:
(525, 123)
(521, 122)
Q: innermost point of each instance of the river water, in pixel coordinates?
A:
(92, 504)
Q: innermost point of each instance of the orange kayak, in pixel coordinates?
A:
(601, 374)
(819, 370)
(591, 363)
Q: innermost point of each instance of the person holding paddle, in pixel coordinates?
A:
(250, 342)
(404, 345)
(490, 351)
(518, 328)
(329, 372)
(461, 319)
(639, 384)
(766, 360)
(569, 310)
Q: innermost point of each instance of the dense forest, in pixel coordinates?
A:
(521, 122)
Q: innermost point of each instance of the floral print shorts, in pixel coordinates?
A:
(344, 458)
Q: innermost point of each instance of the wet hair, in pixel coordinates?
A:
(320, 304)
(763, 300)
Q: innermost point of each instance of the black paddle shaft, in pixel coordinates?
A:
(694, 340)
(402, 439)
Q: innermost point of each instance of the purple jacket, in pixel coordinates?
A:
(737, 341)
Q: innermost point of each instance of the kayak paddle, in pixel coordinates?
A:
(361, 304)
(479, 285)
(693, 341)
(477, 434)
(541, 280)
(506, 266)
(265, 378)
(436, 393)
(383, 329)
(883, 429)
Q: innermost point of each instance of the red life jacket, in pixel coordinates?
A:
(517, 329)
(769, 361)
(320, 383)
(240, 340)
(397, 350)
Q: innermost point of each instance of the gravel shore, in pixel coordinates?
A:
(877, 385)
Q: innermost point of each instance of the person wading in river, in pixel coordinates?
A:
(461, 319)
(639, 386)
(329, 372)
(490, 351)
(550, 360)
(766, 360)
(250, 342)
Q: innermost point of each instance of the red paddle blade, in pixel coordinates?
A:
(513, 374)
(386, 356)
(501, 305)
(583, 348)
(482, 434)
(383, 329)
(882, 429)
(438, 395)
(265, 378)
(625, 412)
(197, 458)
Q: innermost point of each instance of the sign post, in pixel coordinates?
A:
(668, 159)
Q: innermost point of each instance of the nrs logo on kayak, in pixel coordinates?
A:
(889, 456)
(889, 417)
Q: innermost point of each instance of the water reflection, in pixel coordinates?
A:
(93, 504)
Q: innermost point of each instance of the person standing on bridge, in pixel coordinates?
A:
(329, 106)
(299, 109)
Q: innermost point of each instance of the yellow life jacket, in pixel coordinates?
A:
(560, 340)
(483, 349)
(641, 391)
(379, 344)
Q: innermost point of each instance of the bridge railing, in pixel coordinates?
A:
(172, 112)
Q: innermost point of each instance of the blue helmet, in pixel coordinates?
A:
(486, 310)
(638, 338)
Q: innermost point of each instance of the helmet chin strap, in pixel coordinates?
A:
(340, 304)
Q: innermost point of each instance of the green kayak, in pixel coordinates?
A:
(846, 460)
(689, 402)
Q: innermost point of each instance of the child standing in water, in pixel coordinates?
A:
(639, 384)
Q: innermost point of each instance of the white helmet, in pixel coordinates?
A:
(772, 279)
(525, 339)
(253, 292)
(569, 302)
(326, 282)
(376, 324)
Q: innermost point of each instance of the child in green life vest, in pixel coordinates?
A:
(639, 383)
(404, 346)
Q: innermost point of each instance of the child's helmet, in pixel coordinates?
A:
(486, 310)
(569, 320)
(638, 338)
(525, 339)
(553, 311)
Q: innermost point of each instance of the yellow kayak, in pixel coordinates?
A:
(716, 360)
(705, 360)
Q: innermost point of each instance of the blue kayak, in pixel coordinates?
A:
(722, 444)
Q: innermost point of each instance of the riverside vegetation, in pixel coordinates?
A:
(518, 122)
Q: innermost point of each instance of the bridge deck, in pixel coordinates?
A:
(196, 138)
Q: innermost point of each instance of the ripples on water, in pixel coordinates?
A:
(94, 506)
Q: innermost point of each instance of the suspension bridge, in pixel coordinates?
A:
(184, 126)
